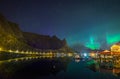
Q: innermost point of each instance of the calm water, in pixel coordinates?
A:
(50, 68)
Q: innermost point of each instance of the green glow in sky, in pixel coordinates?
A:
(92, 44)
(101, 41)
(111, 39)
(91, 40)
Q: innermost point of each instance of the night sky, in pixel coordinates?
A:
(89, 22)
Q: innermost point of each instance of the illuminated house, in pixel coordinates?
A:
(106, 52)
(115, 49)
(105, 56)
(93, 54)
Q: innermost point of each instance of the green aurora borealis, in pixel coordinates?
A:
(92, 44)
(92, 23)
(110, 40)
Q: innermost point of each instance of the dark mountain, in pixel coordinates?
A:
(43, 41)
(80, 48)
(11, 37)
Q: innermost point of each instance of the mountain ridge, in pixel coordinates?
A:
(12, 37)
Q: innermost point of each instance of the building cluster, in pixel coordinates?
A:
(108, 56)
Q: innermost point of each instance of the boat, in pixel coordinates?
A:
(77, 56)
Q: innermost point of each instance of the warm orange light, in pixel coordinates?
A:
(106, 51)
(115, 49)
(0, 49)
(16, 51)
(92, 54)
(26, 52)
(69, 54)
(10, 50)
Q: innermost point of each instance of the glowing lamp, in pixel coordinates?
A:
(92, 55)
(16, 51)
(85, 54)
(69, 54)
(0, 49)
(10, 51)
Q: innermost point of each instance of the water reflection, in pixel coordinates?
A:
(96, 66)
(114, 71)
(77, 60)
(40, 67)
(31, 67)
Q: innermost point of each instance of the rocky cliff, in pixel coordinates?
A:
(43, 41)
(11, 37)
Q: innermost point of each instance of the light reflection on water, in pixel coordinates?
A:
(114, 71)
(41, 67)
(30, 67)
(23, 59)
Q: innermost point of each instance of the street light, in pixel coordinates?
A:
(0, 49)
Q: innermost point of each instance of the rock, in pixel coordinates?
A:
(43, 41)
(11, 37)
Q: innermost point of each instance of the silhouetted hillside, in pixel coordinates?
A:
(11, 37)
(43, 41)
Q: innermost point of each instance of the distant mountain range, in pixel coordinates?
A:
(79, 48)
(12, 37)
